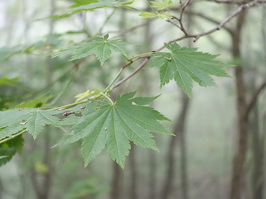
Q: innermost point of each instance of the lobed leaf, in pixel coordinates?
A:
(10, 148)
(101, 47)
(186, 65)
(162, 4)
(103, 125)
(31, 119)
(88, 5)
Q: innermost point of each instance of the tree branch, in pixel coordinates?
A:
(218, 27)
(131, 74)
(234, 1)
(123, 32)
(254, 98)
(187, 35)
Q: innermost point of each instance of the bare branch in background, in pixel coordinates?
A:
(218, 27)
(254, 98)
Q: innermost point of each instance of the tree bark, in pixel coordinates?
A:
(258, 157)
(133, 191)
(240, 156)
(179, 132)
(152, 175)
(115, 186)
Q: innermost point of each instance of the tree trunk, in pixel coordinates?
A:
(239, 159)
(115, 186)
(42, 188)
(133, 169)
(179, 132)
(258, 156)
(152, 176)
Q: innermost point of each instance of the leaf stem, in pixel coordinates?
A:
(69, 105)
(113, 81)
(12, 137)
(106, 96)
(140, 55)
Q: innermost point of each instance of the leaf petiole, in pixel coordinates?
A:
(113, 81)
(109, 99)
(12, 137)
(140, 55)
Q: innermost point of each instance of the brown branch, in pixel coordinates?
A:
(254, 98)
(218, 27)
(234, 1)
(131, 74)
(209, 19)
(123, 32)
(188, 35)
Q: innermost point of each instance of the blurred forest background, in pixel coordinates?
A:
(211, 147)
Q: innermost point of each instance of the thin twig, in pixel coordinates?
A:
(123, 32)
(254, 98)
(208, 19)
(233, 1)
(218, 27)
(76, 65)
(187, 35)
(131, 74)
(173, 23)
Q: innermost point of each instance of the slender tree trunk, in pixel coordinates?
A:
(239, 159)
(178, 131)
(183, 147)
(258, 156)
(152, 194)
(133, 173)
(115, 191)
(152, 176)
(42, 188)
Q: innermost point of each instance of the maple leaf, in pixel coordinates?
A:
(88, 5)
(113, 126)
(10, 148)
(8, 81)
(39, 118)
(186, 65)
(31, 119)
(101, 47)
(160, 5)
(12, 121)
(163, 15)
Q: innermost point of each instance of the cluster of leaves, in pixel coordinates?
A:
(101, 47)
(50, 42)
(99, 123)
(89, 5)
(159, 9)
(104, 124)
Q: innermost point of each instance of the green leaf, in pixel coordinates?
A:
(31, 119)
(10, 148)
(13, 121)
(83, 2)
(7, 52)
(7, 81)
(93, 93)
(162, 15)
(147, 15)
(101, 47)
(104, 125)
(186, 65)
(87, 5)
(38, 119)
(160, 5)
(50, 42)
